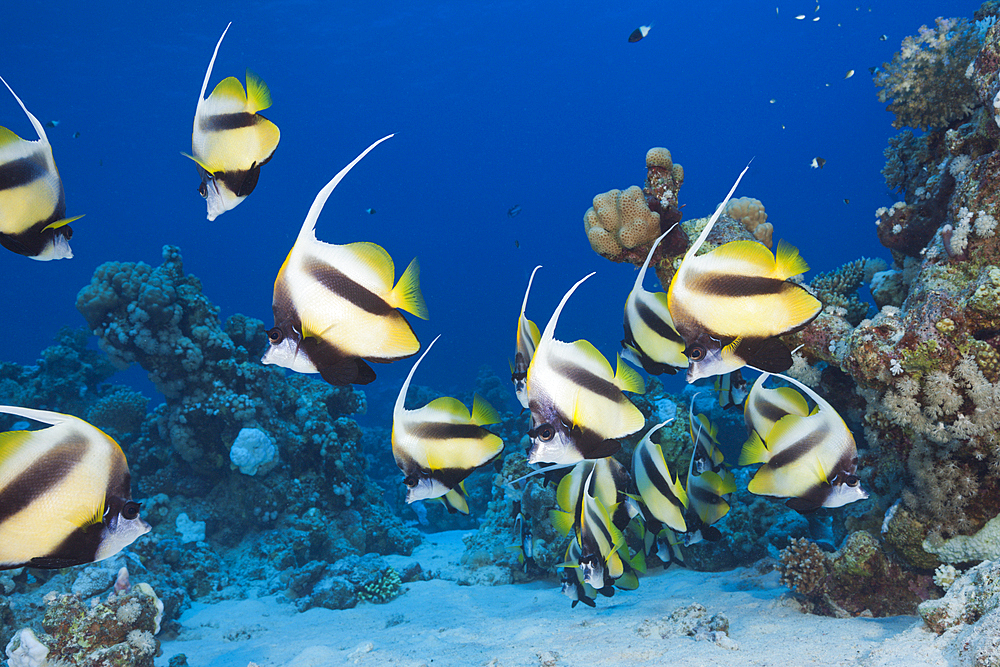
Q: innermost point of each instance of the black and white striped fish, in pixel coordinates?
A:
(812, 460)
(730, 304)
(335, 306)
(578, 410)
(440, 444)
(527, 341)
(32, 200)
(231, 140)
(661, 493)
(65, 496)
(651, 341)
(764, 407)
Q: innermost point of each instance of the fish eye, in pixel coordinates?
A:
(203, 190)
(546, 432)
(696, 353)
(275, 336)
(131, 510)
(852, 481)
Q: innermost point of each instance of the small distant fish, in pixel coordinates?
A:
(438, 445)
(525, 546)
(846, 200)
(815, 18)
(773, 100)
(525, 344)
(231, 140)
(32, 199)
(514, 211)
(517, 244)
(76, 135)
(730, 304)
(812, 460)
(817, 163)
(704, 434)
(651, 341)
(873, 69)
(639, 33)
(882, 38)
(849, 74)
(662, 493)
(335, 306)
(65, 494)
(370, 211)
(578, 410)
(52, 123)
(800, 17)
(732, 389)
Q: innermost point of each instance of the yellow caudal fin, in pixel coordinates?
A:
(561, 521)
(258, 94)
(61, 223)
(754, 451)
(483, 414)
(628, 379)
(406, 294)
(788, 261)
(230, 88)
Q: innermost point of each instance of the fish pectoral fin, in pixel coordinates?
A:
(406, 294)
(788, 262)
(628, 379)
(258, 94)
(61, 223)
(483, 414)
(768, 355)
(534, 332)
(754, 451)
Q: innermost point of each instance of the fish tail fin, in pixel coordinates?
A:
(258, 94)
(483, 414)
(406, 294)
(788, 261)
(628, 379)
(561, 521)
(754, 451)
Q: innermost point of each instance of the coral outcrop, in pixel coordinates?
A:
(750, 212)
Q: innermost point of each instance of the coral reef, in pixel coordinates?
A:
(969, 614)
(926, 80)
(860, 579)
(838, 289)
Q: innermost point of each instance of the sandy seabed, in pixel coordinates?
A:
(442, 623)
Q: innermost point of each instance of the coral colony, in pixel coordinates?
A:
(256, 480)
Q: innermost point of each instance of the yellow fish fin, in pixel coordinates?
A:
(268, 136)
(535, 334)
(729, 350)
(564, 493)
(754, 451)
(203, 165)
(628, 379)
(561, 521)
(12, 441)
(258, 94)
(375, 258)
(7, 137)
(789, 262)
(406, 294)
(745, 252)
(615, 566)
(61, 223)
(795, 403)
(483, 414)
(231, 88)
(451, 406)
(638, 562)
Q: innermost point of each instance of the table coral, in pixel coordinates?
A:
(925, 82)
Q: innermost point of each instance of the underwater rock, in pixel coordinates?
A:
(690, 621)
(252, 449)
(973, 595)
(345, 583)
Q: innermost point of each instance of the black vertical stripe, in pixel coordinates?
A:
(42, 476)
(347, 289)
(656, 324)
(228, 121)
(23, 171)
(814, 439)
(659, 483)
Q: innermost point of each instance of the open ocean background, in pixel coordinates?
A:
(540, 105)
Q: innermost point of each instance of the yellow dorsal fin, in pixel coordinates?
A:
(789, 262)
(406, 294)
(533, 331)
(483, 414)
(12, 441)
(795, 402)
(8, 137)
(374, 257)
(232, 88)
(452, 407)
(628, 379)
(746, 252)
(258, 94)
(61, 223)
(586, 352)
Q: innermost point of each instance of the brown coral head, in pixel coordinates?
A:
(659, 157)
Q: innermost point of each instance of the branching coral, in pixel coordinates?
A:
(926, 81)
(839, 289)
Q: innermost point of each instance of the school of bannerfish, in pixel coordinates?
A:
(65, 495)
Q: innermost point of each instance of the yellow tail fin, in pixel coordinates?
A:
(628, 379)
(406, 294)
(258, 94)
(788, 261)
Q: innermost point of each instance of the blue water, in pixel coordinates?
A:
(541, 105)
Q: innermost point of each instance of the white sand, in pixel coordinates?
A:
(443, 623)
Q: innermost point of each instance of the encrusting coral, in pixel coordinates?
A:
(750, 212)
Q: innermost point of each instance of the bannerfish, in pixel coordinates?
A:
(651, 341)
(708, 496)
(440, 444)
(573, 585)
(812, 460)
(52, 123)
(527, 341)
(732, 389)
(817, 163)
(704, 434)
(599, 540)
(525, 546)
(456, 500)
(730, 304)
(608, 481)
(32, 200)
(639, 33)
(65, 494)
(663, 495)
(578, 410)
(335, 307)
(231, 140)
(764, 407)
